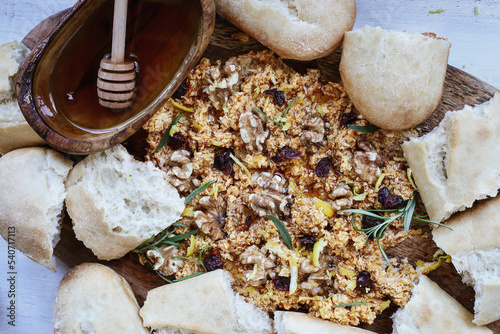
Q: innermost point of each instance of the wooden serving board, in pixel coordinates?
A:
(460, 89)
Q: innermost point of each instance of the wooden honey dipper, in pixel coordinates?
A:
(116, 77)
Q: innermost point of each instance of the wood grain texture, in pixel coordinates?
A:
(460, 89)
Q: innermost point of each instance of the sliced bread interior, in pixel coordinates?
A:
(457, 163)
(474, 246)
(32, 200)
(432, 310)
(117, 202)
(286, 322)
(203, 304)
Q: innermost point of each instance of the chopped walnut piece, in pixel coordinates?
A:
(252, 131)
(222, 85)
(273, 198)
(179, 170)
(342, 197)
(262, 265)
(367, 162)
(163, 263)
(314, 130)
(211, 219)
(318, 280)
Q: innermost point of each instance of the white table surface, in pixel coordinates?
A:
(476, 50)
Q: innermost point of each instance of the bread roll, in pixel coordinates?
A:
(203, 304)
(457, 163)
(301, 323)
(32, 200)
(11, 56)
(15, 132)
(116, 202)
(92, 298)
(432, 310)
(299, 29)
(394, 79)
(474, 246)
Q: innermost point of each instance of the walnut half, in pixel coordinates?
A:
(252, 131)
(211, 218)
(163, 263)
(262, 265)
(273, 198)
(367, 162)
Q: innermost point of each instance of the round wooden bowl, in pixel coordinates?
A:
(56, 86)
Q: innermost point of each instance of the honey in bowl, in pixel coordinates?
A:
(58, 83)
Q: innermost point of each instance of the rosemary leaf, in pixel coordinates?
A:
(409, 210)
(283, 231)
(182, 236)
(289, 106)
(363, 129)
(269, 118)
(197, 191)
(351, 304)
(166, 135)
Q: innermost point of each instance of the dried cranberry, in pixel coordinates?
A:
(281, 283)
(388, 200)
(181, 91)
(364, 282)
(176, 141)
(348, 118)
(277, 95)
(323, 167)
(223, 161)
(213, 262)
(307, 241)
(369, 221)
(248, 222)
(285, 153)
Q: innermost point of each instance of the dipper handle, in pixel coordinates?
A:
(116, 77)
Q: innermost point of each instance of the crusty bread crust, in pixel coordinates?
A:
(394, 79)
(286, 322)
(455, 164)
(474, 246)
(204, 304)
(432, 310)
(32, 200)
(300, 29)
(92, 298)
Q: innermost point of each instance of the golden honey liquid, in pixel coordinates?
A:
(159, 36)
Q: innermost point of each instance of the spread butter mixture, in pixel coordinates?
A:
(282, 154)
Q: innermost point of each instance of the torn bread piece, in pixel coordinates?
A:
(117, 202)
(15, 132)
(432, 310)
(394, 78)
(203, 304)
(32, 200)
(474, 246)
(301, 323)
(296, 29)
(92, 298)
(456, 163)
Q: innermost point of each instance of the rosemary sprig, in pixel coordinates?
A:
(166, 237)
(283, 231)
(350, 304)
(197, 191)
(281, 120)
(406, 214)
(166, 135)
(363, 129)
